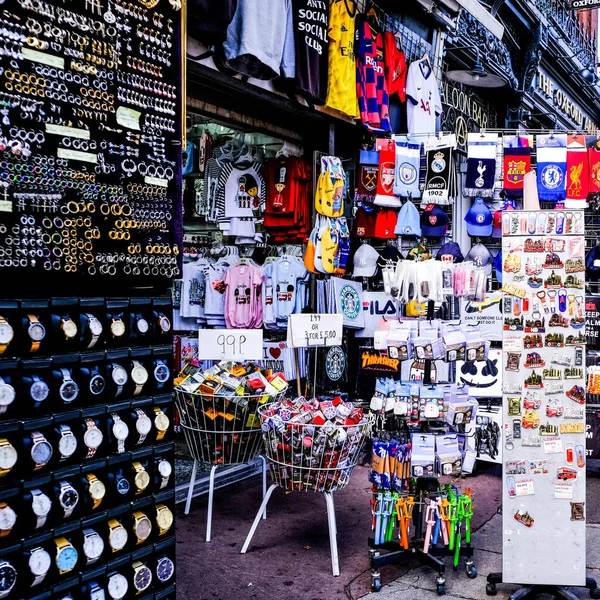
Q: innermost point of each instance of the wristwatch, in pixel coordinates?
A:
(92, 438)
(119, 376)
(93, 545)
(96, 592)
(164, 325)
(123, 485)
(67, 443)
(7, 395)
(36, 332)
(68, 327)
(164, 569)
(66, 555)
(164, 518)
(139, 374)
(68, 390)
(117, 535)
(142, 576)
(143, 425)
(96, 490)
(40, 506)
(142, 526)
(39, 389)
(117, 327)
(120, 430)
(161, 422)
(165, 468)
(141, 325)
(7, 333)
(161, 373)
(39, 564)
(117, 586)
(95, 327)
(8, 457)
(141, 479)
(8, 518)
(68, 497)
(41, 450)
(8, 578)
(97, 382)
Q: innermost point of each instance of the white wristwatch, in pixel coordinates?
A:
(93, 545)
(139, 375)
(7, 395)
(165, 468)
(120, 430)
(40, 505)
(67, 443)
(143, 425)
(39, 564)
(95, 327)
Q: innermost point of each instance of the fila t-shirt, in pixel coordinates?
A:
(423, 99)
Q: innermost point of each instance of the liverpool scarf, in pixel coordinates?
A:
(408, 157)
(481, 164)
(552, 167)
(517, 162)
(577, 172)
(368, 168)
(594, 166)
(387, 170)
(440, 179)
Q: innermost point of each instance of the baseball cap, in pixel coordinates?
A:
(408, 220)
(450, 252)
(364, 223)
(498, 266)
(385, 224)
(481, 256)
(479, 219)
(434, 222)
(365, 261)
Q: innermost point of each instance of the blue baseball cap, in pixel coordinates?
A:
(479, 219)
(450, 252)
(408, 221)
(481, 257)
(498, 266)
(434, 222)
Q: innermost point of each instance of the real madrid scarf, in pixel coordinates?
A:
(387, 170)
(517, 162)
(408, 157)
(577, 172)
(368, 169)
(552, 167)
(440, 179)
(481, 164)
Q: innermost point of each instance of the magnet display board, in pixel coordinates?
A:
(543, 398)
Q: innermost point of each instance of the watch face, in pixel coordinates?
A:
(118, 537)
(119, 375)
(66, 559)
(97, 490)
(143, 528)
(6, 333)
(41, 452)
(142, 325)
(139, 375)
(93, 546)
(69, 328)
(161, 373)
(68, 498)
(142, 479)
(8, 518)
(7, 394)
(67, 445)
(8, 456)
(143, 425)
(8, 576)
(165, 468)
(161, 421)
(41, 505)
(97, 384)
(123, 486)
(120, 430)
(39, 391)
(68, 390)
(164, 323)
(93, 437)
(97, 594)
(95, 326)
(142, 578)
(117, 328)
(164, 518)
(39, 562)
(36, 332)
(165, 569)
(117, 586)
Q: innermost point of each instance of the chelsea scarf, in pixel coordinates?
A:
(440, 179)
(517, 162)
(552, 167)
(408, 157)
(481, 164)
(577, 172)
(368, 168)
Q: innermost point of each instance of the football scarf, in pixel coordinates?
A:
(517, 162)
(387, 169)
(594, 170)
(408, 157)
(577, 172)
(481, 164)
(440, 178)
(368, 168)
(552, 167)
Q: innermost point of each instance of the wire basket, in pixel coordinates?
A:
(306, 457)
(222, 430)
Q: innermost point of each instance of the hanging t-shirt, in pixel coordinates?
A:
(214, 305)
(193, 289)
(285, 275)
(424, 101)
(341, 94)
(243, 303)
(209, 19)
(395, 67)
(241, 191)
(311, 19)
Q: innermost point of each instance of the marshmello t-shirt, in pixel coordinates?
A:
(424, 101)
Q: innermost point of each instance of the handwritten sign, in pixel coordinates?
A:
(230, 344)
(306, 331)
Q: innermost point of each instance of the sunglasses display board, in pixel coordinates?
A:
(544, 393)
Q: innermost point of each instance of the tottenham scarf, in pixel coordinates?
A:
(552, 167)
(481, 164)
(408, 158)
(577, 172)
(517, 162)
(367, 176)
(387, 170)
(440, 179)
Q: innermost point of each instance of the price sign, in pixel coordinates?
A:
(230, 344)
(306, 331)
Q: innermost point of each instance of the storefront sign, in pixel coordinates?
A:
(373, 360)
(592, 321)
(581, 4)
(230, 344)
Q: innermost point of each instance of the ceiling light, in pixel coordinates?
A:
(476, 76)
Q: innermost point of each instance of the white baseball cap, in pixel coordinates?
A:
(365, 261)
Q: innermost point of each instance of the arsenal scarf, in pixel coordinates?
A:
(594, 166)
(408, 157)
(552, 167)
(440, 179)
(385, 178)
(577, 172)
(517, 162)
(368, 169)
(481, 164)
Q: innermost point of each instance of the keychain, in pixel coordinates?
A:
(552, 298)
(542, 297)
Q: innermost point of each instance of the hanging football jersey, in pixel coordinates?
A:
(395, 66)
(423, 98)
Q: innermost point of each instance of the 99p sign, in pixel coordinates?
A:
(230, 344)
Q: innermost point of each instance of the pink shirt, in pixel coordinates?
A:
(243, 303)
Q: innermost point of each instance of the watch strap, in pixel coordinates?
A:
(38, 578)
(95, 337)
(141, 414)
(35, 346)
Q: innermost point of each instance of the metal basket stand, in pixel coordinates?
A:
(221, 431)
(315, 458)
